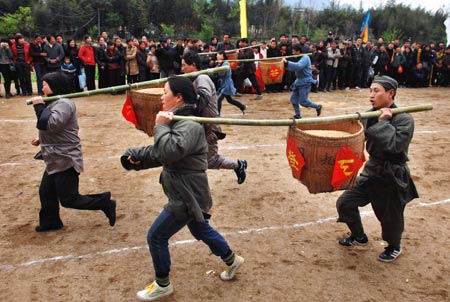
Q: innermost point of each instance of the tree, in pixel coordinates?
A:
(21, 21)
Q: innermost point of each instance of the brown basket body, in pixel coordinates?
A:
(272, 71)
(320, 153)
(147, 103)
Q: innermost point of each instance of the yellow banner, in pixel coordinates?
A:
(243, 7)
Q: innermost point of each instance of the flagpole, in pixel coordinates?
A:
(311, 121)
(243, 19)
(129, 86)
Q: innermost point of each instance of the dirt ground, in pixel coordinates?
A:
(287, 236)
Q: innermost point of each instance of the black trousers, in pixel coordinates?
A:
(4, 69)
(229, 100)
(90, 76)
(252, 77)
(386, 205)
(24, 73)
(63, 187)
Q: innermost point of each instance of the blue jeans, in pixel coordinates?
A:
(165, 226)
(300, 97)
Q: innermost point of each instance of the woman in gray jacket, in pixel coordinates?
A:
(61, 151)
(180, 147)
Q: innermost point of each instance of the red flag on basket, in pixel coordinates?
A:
(294, 157)
(347, 164)
(128, 111)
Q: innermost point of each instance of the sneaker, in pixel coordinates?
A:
(352, 240)
(110, 212)
(231, 270)
(319, 110)
(357, 87)
(259, 97)
(153, 292)
(390, 254)
(237, 94)
(240, 171)
(296, 117)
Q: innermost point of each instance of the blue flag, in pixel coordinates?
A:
(364, 31)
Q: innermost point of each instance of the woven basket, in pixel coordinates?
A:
(272, 71)
(146, 103)
(320, 152)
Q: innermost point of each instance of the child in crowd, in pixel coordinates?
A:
(68, 68)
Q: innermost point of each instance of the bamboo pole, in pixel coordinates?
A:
(313, 120)
(129, 86)
(268, 59)
(228, 51)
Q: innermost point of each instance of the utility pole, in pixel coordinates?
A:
(98, 21)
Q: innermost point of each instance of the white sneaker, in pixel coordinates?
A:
(153, 292)
(231, 270)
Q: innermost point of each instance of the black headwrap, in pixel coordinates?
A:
(183, 86)
(387, 82)
(59, 83)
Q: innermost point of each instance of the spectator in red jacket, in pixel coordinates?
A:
(22, 59)
(87, 57)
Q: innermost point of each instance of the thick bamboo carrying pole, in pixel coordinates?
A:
(313, 120)
(269, 59)
(228, 51)
(130, 86)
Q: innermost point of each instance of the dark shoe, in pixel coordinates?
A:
(240, 171)
(110, 212)
(8, 95)
(390, 254)
(352, 240)
(296, 117)
(24, 94)
(244, 109)
(46, 228)
(319, 110)
(29, 94)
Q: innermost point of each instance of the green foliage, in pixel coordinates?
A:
(93, 32)
(113, 19)
(206, 33)
(21, 21)
(392, 34)
(167, 30)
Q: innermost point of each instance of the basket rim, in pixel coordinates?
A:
(352, 135)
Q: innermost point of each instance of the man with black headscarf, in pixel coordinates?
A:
(385, 181)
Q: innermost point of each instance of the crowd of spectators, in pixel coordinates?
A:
(337, 63)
